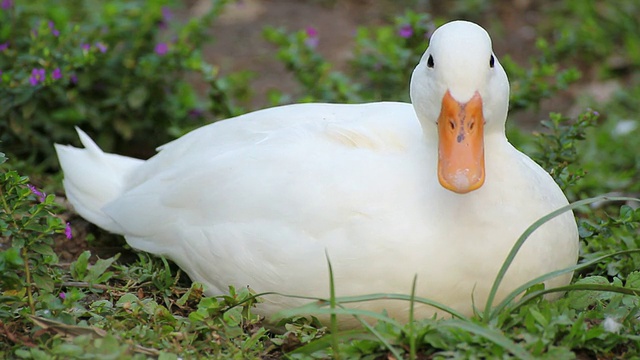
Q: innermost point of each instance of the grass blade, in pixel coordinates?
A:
(492, 335)
(522, 288)
(412, 330)
(404, 297)
(328, 340)
(335, 344)
(575, 287)
(417, 299)
(380, 338)
(318, 303)
(525, 235)
(314, 309)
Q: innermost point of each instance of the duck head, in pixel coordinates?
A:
(461, 94)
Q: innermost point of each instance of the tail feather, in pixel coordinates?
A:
(93, 178)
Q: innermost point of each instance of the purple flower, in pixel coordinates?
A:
(311, 31)
(405, 31)
(312, 37)
(161, 49)
(56, 74)
(6, 4)
(195, 113)
(166, 17)
(52, 27)
(62, 296)
(37, 76)
(67, 231)
(4, 46)
(86, 47)
(102, 47)
(73, 78)
(41, 195)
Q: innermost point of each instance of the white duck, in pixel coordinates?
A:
(387, 189)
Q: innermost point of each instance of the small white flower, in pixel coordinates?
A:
(611, 325)
(624, 127)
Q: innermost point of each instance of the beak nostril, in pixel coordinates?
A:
(452, 124)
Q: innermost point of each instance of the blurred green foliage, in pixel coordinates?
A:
(592, 31)
(557, 147)
(117, 69)
(612, 154)
(384, 58)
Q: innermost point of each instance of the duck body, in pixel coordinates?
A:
(262, 200)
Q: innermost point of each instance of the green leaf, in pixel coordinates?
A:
(167, 356)
(633, 280)
(43, 281)
(68, 350)
(23, 354)
(79, 267)
(97, 273)
(583, 299)
(127, 298)
(490, 334)
(42, 249)
(138, 97)
(10, 257)
(539, 317)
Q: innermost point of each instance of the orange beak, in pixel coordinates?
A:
(461, 144)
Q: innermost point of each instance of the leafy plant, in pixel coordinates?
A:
(313, 72)
(592, 31)
(557, 147)
(95, 274)
(117, 69)
(27, 224)
(384, 58)
(540, 80)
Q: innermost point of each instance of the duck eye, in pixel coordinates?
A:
(430, 61)
(491, 61)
